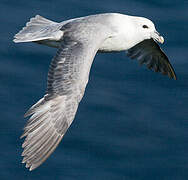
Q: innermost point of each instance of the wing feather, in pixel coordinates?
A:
(53, 114)
(148, 52)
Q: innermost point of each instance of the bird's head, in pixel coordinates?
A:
(146, 29)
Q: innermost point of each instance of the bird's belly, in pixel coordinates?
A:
(115, 44)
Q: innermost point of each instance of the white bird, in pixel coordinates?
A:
(78, 40)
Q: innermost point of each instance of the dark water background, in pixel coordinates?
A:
(132, 124)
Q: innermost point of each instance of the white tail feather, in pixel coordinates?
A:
(37, 29)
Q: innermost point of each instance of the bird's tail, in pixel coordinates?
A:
(37, 29)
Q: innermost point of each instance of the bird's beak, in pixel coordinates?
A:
(156, 36)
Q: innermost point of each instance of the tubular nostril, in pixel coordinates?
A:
(157, 33)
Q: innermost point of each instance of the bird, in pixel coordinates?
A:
(77, 41)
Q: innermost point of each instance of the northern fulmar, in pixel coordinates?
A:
(78, 40)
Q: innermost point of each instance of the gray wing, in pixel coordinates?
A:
(148, 52)
(53, 114)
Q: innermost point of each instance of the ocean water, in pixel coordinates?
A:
(132, 124)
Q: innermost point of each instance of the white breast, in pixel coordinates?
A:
(114, 44)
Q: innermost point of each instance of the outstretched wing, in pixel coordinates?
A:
(53, 114)
(148, 52)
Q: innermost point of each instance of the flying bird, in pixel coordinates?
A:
(77, 42)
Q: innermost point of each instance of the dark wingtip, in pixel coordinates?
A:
(175, 77)
(148, 52)
(171, 73)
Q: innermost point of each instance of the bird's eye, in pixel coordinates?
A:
(145, 26)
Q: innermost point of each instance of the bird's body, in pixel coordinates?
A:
(78, 40)
(115, 30)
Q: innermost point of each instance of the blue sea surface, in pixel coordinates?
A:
(132, 123)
